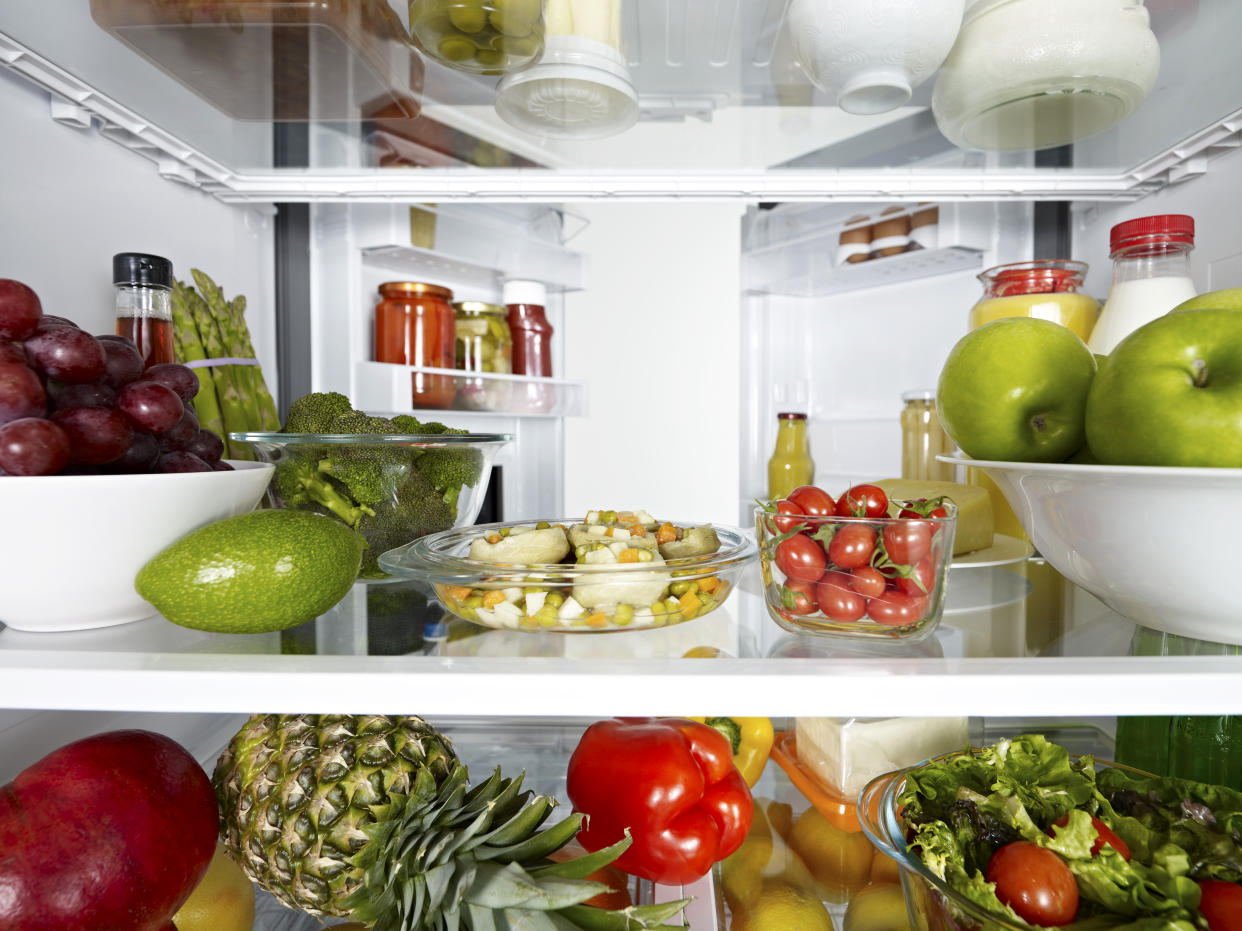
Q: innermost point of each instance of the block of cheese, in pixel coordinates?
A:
(847, 753)
(975, 524)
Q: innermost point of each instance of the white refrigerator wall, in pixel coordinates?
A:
(655, 335)
(72, 199)
(1214, 199)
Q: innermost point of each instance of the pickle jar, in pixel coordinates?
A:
(479, 36)
(414, 325)
(484, 343)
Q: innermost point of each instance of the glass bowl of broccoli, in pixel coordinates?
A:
(391, 479)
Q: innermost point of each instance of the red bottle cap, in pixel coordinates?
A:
(1167, 228)
(791, 416)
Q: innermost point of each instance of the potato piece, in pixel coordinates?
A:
(696, 541)
(523, 549)
(627, 586)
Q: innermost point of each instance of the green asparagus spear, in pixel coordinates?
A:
(268, 416)
(190, 349)
(232, 405)
(239, 376)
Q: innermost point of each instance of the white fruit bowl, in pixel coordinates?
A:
(72, 544)
(1157, 545)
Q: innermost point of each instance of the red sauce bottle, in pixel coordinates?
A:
(414, 326)
(532, 343)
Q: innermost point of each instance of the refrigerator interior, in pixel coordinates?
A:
(694, 293)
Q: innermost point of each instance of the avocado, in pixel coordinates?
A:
(263, 571)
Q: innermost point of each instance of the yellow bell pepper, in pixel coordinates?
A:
(752, 743)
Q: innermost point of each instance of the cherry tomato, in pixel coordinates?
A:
(780, 522)
(925, 573)
(863, 501)
(868, 582)
(837, 600)
(801, 597)
(1104, 835)
(1035, 883)
(801, 558)
(907, 541)
(1221, 904)
(851, 546)
(813, 501)
(896, 608)
(922, 508)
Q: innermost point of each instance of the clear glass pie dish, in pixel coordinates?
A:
(569, 597)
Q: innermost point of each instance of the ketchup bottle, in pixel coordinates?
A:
(532, 342)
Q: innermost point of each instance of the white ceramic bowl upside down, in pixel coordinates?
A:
(1158, 545)
(70, 545)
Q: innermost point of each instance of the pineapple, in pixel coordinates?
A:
(371, 817)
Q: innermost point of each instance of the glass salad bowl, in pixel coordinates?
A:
(389, 487)
(933, 903)
(567, 597)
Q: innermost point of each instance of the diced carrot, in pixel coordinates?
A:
(493, 598)
(708, 584)
(628, 555)
(494, 538)
(689, 603)
(666, 534)
(455, 592)
(597, 619)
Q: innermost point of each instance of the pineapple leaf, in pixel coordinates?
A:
(501, 886)
(521, 825)
(625, 919)
(537, 846)
(480, 919)
(583, 866)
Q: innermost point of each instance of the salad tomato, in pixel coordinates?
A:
(1104, 835)
(1035, 883)
(813, 501)
(1221, 904)
(837, 600)
(863, 501)
(896, 608)
(801, 558)
(799, 597)
(868, 581)
(852, 545)
(907, 541)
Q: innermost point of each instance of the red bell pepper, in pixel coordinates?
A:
(672, 783)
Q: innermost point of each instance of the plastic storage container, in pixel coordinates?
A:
(276, 59)
(415, 325)
(479, 36)
(1044, 288)
(1031, 75)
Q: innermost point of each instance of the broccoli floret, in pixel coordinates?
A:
(313, 413)
(369, 472)
(406, 423)
(416, 510)
(299, 483)
(352, 421)
(449, 469)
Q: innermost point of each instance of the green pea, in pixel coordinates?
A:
(474, 601)
(555, 599)
(681, 588)
(543, 525)
(623, 616)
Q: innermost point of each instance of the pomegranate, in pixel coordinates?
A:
(110, 833)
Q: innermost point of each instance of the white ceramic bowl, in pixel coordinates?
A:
(70, 545)
(1158, 545)
(872, 55)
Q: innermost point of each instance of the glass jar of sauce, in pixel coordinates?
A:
(923, 439)
(791, 464)
(414, 325)
(484, 344)
(1044, 288)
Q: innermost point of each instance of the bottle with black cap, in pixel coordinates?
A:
(144, 304)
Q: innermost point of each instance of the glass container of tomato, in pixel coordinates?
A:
(862, 567)
(414, 325)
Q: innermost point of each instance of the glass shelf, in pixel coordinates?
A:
(514, 258)
(1000, 648)
(808, 270)
(383, 386)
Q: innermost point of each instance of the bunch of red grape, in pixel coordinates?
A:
(80, 404)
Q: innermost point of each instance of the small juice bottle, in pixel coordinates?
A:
(790, 465)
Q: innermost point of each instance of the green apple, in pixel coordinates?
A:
(1170, 393)
(1229, 298)
(1016, 390)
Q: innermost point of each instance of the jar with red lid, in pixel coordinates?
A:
(1151, 275)
(414, 325)
(1043, 288)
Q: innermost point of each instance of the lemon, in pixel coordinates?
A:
(879, 907)
(783, 907)
(222, 901)
(840, 860)
(262, 571)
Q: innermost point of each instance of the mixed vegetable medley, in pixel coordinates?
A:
(657, 581)
(1023, 831)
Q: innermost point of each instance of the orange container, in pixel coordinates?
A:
(841, 812)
